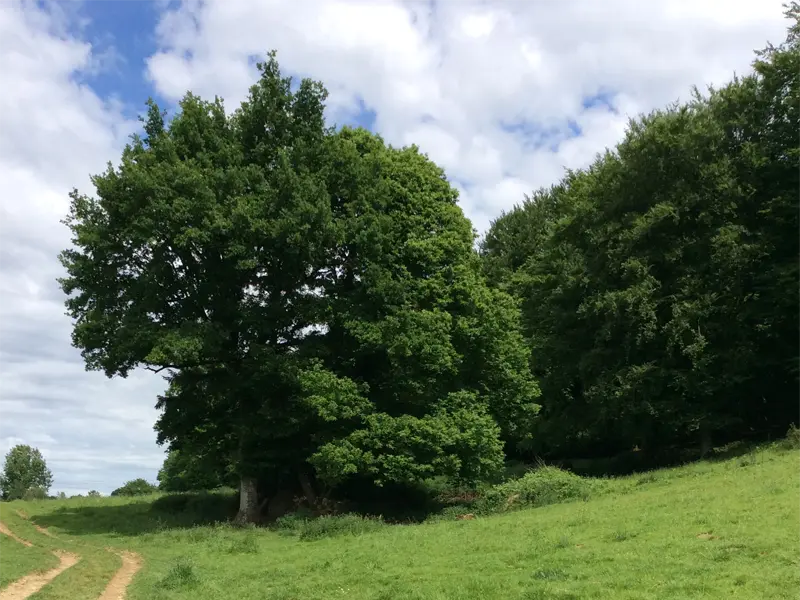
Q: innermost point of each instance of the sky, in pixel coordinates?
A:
(504, 95)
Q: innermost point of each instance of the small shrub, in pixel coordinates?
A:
(793, 437)
(180, 575)
(546, 485)
(94, 494)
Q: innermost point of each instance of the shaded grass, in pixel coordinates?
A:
(713, 529)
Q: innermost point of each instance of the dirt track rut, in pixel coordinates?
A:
(30, 584)
(6, 531)
(117, 587)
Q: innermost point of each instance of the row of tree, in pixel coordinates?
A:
(659, 287)
(321, 316)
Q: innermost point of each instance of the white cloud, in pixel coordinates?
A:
(54, 132)
(446, 74)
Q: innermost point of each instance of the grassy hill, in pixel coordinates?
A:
(716, 529)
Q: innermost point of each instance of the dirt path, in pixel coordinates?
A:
(131, 563)
(6, 531)
(30, 584)
(23, 515)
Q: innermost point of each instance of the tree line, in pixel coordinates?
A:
(323, 320)
(659, 286)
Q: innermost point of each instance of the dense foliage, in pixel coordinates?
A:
(315, 302)
(135, 487)
(25, 474)
(312, 295)
(660, 286)
(183, 472)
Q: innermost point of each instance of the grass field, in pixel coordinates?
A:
(725, 529)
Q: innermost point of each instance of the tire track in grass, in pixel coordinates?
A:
(118, 586)
(30, 584)
(23, 515)
(6, 531)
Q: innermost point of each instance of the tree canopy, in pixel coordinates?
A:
(135, 487)
(312, 295)
(660, 285)
(183, 472)
(25, 473)
(316, 305)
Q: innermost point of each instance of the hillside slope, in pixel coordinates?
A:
(727, 529)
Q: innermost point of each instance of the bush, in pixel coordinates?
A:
(327, 526)
(136, 487)
(793, 437)
(94, 494)
(181, 575)
(545, 485)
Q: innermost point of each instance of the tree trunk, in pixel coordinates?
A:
(308, 489)
(705, 442)
(248, 501)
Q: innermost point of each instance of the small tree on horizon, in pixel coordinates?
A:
(135, 487)
(24, 469)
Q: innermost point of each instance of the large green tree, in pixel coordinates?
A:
(312, 296)
(24, 470)
(660, 285)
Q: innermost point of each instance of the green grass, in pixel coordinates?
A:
(17, 560)
(722, 529)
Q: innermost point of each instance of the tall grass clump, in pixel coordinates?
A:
(181, 575)
(309, 529)
(792, 437)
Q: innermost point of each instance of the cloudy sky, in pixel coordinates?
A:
(503, 94)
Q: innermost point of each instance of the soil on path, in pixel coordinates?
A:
(30, 584)
(6, 531)
(116, 588)
(22, 514)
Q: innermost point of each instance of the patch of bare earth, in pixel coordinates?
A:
(30, 584)
(117, 587)
(6, 531)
